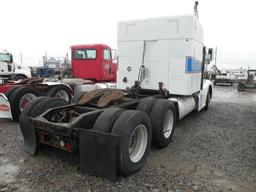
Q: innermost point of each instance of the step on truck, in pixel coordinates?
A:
(159, 81)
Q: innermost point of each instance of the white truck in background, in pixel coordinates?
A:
(10, 70)
(160, 79)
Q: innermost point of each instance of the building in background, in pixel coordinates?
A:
(56, 63)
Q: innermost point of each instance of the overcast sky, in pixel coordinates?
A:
(34, 26)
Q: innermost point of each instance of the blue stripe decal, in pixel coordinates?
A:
(193, 65)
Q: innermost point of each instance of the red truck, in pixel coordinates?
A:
(93, 62)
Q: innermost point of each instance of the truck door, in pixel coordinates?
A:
(85, 63)
(108, 70)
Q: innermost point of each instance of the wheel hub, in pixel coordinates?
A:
(168, 123)
(62, 94)
(138, 143)
(25, 99)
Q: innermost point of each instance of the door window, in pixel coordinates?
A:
(85, 54)
(107, 54)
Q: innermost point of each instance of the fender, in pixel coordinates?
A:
(208, 86)
(5, 108)
(27, 73)
(52, 84)
(91, 87)
(202, 96)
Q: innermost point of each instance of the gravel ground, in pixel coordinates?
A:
(210, 151)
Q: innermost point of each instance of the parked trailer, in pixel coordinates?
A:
(93, 62)
(159, 81)
(14, 97)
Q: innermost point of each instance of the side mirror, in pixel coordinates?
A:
(113, 54)
(11, 58)
(209, 56)
(210, 53)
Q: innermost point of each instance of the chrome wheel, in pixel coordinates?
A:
(25, 99)
(138, 143)
(62, 94)
(168, 123)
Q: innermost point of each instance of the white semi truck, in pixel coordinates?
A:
(160, 79)
(10, 70)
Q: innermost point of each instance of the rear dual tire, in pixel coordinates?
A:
(146, 105)
(42, 104)
(10, 91)
(60, 92)
(162, 114)
(163, 119)
(134, 131)
(20, 98)
(76, 98)
(106, 120)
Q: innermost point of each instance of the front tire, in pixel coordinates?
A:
(241, 87)
(207, 102)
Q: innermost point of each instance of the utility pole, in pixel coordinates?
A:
(215, 59)
(21, 59)
(45, 64)
(67, 61)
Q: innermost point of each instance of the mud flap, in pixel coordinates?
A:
(29, 135)
(5, 108)
(98, 154)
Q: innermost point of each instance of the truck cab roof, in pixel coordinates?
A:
(174, 27)
(82, 46)
(4, 51)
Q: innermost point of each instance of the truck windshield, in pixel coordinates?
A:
(85, 54)
(4, 57)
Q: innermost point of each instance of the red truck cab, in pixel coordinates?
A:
(93, 62)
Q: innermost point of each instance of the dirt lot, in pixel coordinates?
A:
(210, 151)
